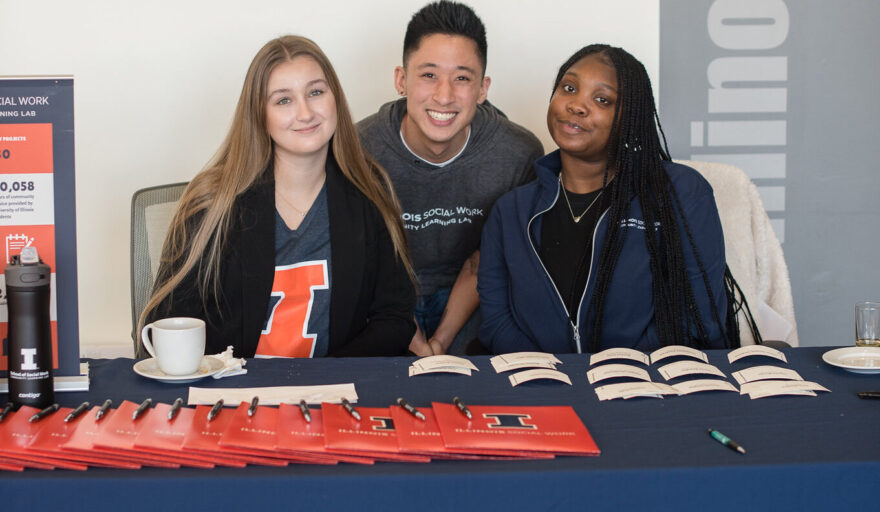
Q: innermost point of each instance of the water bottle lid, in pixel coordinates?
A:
(29, 256)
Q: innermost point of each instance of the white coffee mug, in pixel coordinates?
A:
(178, 344)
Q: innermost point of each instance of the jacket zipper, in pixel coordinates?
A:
(575, 326)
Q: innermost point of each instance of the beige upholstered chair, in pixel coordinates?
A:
(754, 254)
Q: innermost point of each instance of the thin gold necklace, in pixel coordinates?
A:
(300, 212)
(577, 218)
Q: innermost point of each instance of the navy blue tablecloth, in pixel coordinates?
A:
(804, 453)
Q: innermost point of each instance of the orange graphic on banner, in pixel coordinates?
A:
(26, 148)
(285, 334)
(4, 328)
(14, 238)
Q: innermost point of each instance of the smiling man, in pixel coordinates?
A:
(450, 155)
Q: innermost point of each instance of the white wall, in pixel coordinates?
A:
(156, 84)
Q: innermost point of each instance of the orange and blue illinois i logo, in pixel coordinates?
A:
(293, 294)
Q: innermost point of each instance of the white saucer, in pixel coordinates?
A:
(855, 359)
(149, 368)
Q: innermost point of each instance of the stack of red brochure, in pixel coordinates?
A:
(279, 436)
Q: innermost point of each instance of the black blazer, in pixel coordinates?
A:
(371, 296)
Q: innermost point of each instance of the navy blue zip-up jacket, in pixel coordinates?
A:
(521, 307)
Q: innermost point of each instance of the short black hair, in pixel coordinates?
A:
(445, 17)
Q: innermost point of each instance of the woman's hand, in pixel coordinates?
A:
(419, 345)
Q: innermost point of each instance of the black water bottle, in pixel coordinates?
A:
(30, 332)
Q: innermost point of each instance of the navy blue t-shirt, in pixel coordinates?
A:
(298, 321)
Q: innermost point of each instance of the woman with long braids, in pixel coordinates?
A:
(290, 242)
(613, 245)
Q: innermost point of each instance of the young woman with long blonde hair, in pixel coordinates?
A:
(290, 242)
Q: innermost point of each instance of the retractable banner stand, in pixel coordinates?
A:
(37, 200)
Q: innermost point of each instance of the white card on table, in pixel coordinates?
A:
(501, 367)
(610, 371)
(443, 361)
(519, 378)
(618, 353)
(678, 351)
(765, 373)
(700, 385)
(517, 357)
(679, 368)
(413, 370)
(755, 350)
(772, 387)
(633, 389)
(333, 393)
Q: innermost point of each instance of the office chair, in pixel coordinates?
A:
(754, 254)
(151, 212)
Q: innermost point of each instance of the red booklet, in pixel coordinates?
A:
(17, 432)
(548, 429)
(257, 435)
(373, 435)
(117, 432)
(165, 437)
(297, 436)
(56, 432)
(423, 437)
(204, 436)
(10, 466)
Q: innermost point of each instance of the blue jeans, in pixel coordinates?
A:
(429, 311)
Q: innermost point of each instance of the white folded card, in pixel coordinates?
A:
(610, 371)
(444, 361)
(765, 373)
(678, 351)
(442, 364)
(755, 350)
(414, 370)
(634, 389)
(762, 388)
(618, 353)
(699, 385)
(274, 395)
(501, 367)
(679, 368)
(520, 377)
(516, 357)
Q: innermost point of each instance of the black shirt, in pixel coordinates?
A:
(566, 245)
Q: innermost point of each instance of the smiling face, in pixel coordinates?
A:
(581, 113)
(443, 82)
(300, 109)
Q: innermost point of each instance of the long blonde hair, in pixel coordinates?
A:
(199, 228)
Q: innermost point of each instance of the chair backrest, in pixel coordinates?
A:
(151, 212)
(753, 252)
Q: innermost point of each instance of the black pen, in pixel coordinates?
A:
(870, 395)
(304, 408)
(726, 441)
(410, 409)
(175, 408)
(141, 408)
(103, 409)
(45, 412)
(351, 410)
(463, 408)
(5, 410)
(215, 410)
(76, 412)
(253, 408)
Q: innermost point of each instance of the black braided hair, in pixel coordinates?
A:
(636, 154)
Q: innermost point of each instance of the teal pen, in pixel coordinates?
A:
(726, 441)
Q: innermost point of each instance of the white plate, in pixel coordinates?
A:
(855, 359)
(149, 368)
